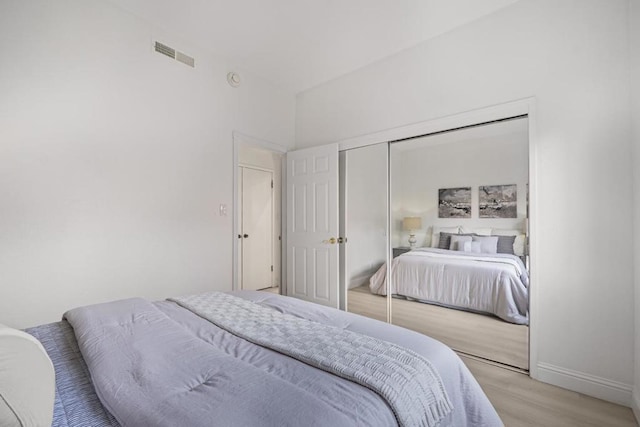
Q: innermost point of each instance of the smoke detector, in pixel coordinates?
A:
(234, 79)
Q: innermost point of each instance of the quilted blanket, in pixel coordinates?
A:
(159, 364)
(406, 380)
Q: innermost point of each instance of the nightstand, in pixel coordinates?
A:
(400, 250)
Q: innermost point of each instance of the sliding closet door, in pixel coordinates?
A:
(473, 184)
(364, 218)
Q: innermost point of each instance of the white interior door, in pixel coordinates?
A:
(312, 224)
(257, 229)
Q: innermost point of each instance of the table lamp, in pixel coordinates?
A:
(411, 224)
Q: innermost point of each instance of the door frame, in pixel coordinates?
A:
(240, 139)
(525, 106)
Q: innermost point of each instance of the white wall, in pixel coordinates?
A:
(634, 26)
(422, 166)
(365, 212)
(572, 55)
(114, 159)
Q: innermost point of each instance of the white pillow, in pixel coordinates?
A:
(435, 234)
(488, 244)
(518, 244)
(457, 242)
(27, 380)
(481, 231)
(474, 247)
(504, 232)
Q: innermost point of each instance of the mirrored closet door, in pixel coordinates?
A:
(459, 209)
(364, 221)
(449, 213)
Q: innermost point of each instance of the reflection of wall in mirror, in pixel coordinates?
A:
(418, 174)
(366, 212)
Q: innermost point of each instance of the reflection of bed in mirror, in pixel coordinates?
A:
(468, 271)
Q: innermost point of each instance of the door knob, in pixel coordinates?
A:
(239, 236)
(342, 240)
(245, 236)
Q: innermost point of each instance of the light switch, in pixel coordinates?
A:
(223, 210)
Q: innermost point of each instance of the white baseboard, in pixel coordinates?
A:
(635, 404)
(591, 385)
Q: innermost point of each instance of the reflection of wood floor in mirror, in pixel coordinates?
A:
(483, 336)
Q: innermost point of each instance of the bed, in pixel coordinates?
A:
(110, 370)
(495, 284)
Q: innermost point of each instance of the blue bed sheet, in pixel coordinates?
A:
(76, 404)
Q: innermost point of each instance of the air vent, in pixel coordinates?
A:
(165, 50)
(174, 54)
(185, 59)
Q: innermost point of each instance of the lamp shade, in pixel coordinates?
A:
(412, 223)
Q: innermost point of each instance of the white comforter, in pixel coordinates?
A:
(495, 283)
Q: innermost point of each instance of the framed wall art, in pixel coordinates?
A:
(498, 201)
(454, 202)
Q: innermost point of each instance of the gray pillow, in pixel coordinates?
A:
(505, 244)
(445, 240)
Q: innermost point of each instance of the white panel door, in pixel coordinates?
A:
(312, 224)
(257, 229)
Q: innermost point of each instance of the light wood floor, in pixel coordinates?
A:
(483, 336)
(523, 402)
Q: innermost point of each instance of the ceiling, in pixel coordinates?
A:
(298, 44)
